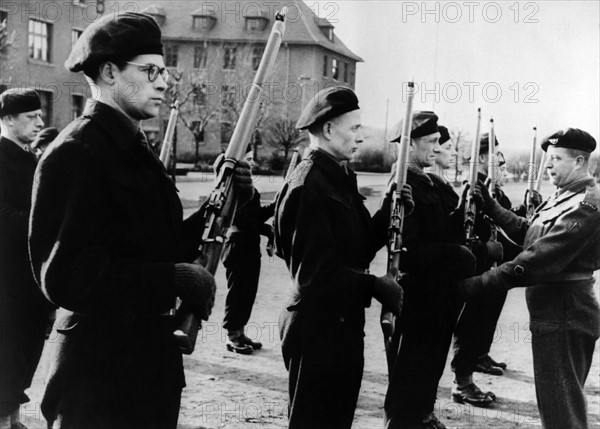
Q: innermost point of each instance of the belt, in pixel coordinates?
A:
(561, 277)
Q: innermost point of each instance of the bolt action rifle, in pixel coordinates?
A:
(219, 210)
(531, 178)
(470, 207)
(395, 249)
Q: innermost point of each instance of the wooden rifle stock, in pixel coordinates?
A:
(470, 208)
(540, 174)
(220, 208)
(388, 319)
(531, 178)
(292, 166)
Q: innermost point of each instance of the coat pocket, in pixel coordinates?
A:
(541, 328)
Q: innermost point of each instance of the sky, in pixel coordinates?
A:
(524, 64)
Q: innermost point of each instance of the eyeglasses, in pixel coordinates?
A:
(153, 71)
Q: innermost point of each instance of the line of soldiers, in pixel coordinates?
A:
(327, 238)
(108, 245)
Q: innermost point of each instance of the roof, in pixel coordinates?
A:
(303, 27)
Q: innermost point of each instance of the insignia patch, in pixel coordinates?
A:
(552, 141)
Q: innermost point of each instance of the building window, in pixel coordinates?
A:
(227, 95)
(4, 36)
(335, 70)
(200, 54)
(255, 24)
(46, 102)
(325, 65)
(346, 65)
(40, 40)
(75, 36)
(199, 92)
(203, 22)
(77, 104)
(328, 32)
(257, 53)
(226, 132)
(171, 55)
(229, 54)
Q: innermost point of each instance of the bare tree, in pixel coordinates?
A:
(283, 134)
(459, 137)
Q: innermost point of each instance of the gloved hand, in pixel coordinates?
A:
(477, 197)
(242, 179)
(405, 197)
(483, 195)
(536, 198)
(196, 288)
(388, 292)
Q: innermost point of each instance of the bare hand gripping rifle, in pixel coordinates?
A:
(531, 177)
(220, 208)
(388, 319)
(470, 207)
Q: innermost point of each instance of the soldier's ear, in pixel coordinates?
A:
(327, 130)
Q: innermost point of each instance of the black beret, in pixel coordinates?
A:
(424, 123)
(327, 104)
(572, 138)
(19, 100)
(444, 134)
(115, 37)
(44, 137)
(484, 143)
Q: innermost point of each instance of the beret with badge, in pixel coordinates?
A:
(571, 138)
(115, 37)
(424, 123)
(19, 100)
(327, 104)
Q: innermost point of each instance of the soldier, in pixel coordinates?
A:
(23, 308)
(327, 238)
(435, 259)
(561, 246)
(109, 245)
(241, 258)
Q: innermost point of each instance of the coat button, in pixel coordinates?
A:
(519, 270)
(341, 320)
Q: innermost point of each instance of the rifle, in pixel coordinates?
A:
(388, 319)
(492, 165)
(292, 166)
(220, 207)
(470, 207)
(540, 175)
(167, 146)
(530, 209)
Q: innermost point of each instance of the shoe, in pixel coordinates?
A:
(471, 394)
(431, 422)
(254, 344)
(238, 346)
(498, 364)
(486, 365)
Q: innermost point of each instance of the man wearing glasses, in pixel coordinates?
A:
(108, 244)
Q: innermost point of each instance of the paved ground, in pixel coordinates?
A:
(234, 392)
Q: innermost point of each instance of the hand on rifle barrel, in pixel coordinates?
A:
(405, 197)
(477, 196)
(536, 198)
(388, 292)
(242, 179)
(196, 288)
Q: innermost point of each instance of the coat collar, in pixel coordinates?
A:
(333, 169)
(122, 132)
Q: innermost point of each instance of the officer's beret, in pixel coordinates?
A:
(327, 104)
(424, 123)
(444, 134)
(484, 143)
(572, 138)
(44, 137)
(115, 37)
(19, 100)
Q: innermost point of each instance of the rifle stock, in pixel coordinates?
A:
(388, 319)
(220, 208)
(292, 166)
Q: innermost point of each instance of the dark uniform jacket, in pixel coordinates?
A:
(106, 231)
(561, 247)
(327, 238)
(23, 308)
(434, 228)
